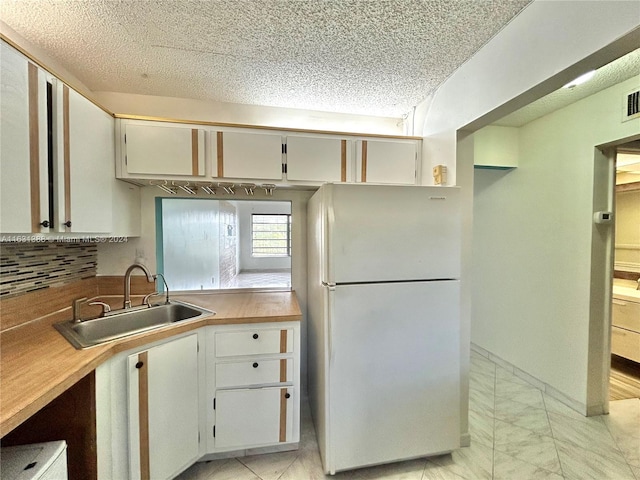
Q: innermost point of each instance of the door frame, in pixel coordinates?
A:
(602, 272)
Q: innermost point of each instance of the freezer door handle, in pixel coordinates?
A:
(331, 291)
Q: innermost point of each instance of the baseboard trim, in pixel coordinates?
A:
(250, 451)
(556, 394)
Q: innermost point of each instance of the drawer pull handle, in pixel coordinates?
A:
(139, 364)
(255, 336)
(255, 364)
(287, 395)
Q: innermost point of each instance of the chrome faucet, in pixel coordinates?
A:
(127, 282)
(166, 287)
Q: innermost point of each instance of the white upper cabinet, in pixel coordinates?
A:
(57, 156)
(87, 153)
(22, 140)
(387, 161)
(155, 151)
(318, 159)
(163, 149)
(248, 155)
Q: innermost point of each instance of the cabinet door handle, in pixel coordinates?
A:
(255, 364)
(139, 364)
(255, 336)
(287, 395)
(45, 224)
(67, 223)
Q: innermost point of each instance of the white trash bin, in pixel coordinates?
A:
(38, 461)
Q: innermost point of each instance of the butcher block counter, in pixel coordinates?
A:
(37, 363)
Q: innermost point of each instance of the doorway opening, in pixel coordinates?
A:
(624, 380)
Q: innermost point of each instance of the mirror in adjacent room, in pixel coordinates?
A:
(207, 244)
(627, 215)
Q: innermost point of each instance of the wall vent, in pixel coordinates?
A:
(631, 105)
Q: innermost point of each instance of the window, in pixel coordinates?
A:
(271, 235)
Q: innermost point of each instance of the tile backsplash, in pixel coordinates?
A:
(26, 267)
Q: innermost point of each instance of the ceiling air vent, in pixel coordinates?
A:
(631, 105)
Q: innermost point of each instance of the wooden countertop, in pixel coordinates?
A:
(37, 363)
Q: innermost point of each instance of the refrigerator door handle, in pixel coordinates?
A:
(331, 220)
(330, 310)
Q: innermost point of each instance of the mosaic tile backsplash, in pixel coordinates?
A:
(25, 267)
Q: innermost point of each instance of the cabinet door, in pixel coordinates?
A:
(253, 417)
(23, 143)
(248, 155)
(386, 161)
(87, 153)
(317, 159)
(163, 149)
(163, 409)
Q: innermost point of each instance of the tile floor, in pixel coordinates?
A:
(264, 279)
(517, 433)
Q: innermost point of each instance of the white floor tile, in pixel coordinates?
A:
(270, 466)
(473, 463)
(507, 467)
(581, 464)
(588, 433)
(526, 446)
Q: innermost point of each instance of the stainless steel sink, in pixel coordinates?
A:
(127, 322)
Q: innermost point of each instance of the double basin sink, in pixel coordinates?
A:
(123, 323)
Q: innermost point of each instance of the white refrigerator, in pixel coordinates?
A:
(384, 322)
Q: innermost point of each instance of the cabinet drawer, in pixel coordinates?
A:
(625, 343)
(254, 372)
(626, 314)
(254, 342)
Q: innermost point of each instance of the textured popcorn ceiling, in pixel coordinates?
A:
(611, 74)
(372, 57)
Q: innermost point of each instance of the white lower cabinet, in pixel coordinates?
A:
(253, 378)
(162, 407)
(254, 416)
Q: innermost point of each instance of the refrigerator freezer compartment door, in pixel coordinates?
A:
(379, 233)
(394, 372)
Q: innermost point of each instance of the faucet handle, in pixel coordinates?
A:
(76, 308)
(145, 300)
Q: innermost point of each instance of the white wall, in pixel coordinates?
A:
(533, 239)
(246, 260)
(210, 111)
(548, 44)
